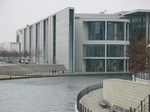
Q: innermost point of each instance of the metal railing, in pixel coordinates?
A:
(81, 107)
(30, 73)
(144, 106)
(143, 76)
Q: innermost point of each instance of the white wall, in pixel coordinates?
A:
(62, 38)
(124, 93)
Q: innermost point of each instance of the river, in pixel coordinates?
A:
(49, 94)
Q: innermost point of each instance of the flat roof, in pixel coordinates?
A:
(138, 12)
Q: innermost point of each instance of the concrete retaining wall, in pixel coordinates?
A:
(124, 93)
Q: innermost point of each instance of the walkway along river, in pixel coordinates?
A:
(49, 94)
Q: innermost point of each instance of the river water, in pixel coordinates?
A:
(49, 94)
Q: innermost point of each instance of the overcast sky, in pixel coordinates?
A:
(16, 14)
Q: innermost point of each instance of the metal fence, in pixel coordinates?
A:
(81, 107)
(143, 75)
(144, 106)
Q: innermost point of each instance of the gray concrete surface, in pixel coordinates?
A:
(91, 101)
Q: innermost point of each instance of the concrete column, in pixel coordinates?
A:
(41, 42)
(49, 41)
(147, 23)
(33, 45)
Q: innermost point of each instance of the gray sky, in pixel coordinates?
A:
(16, 14)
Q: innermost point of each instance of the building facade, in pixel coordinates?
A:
(9, 46)
(84, 42)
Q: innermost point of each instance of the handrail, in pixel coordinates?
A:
(145, 75)
(144, 106)
(85, 92)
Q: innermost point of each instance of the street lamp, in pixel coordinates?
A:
(148, 50)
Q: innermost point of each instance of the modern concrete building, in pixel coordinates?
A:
(84, 42)
(9, 46)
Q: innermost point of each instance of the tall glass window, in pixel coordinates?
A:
(115, 65)
(30, 38)
(71, 28)
(115, 50)
(94, 50)
(95, 65)
(37, 41)
(115, 31)
(96, 31)
(54, 39)
(137, 27)
(25, 36)
(45, 23)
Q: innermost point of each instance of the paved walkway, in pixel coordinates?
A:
(91, 101)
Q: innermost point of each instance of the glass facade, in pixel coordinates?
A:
(54, 39)
(95, 65)
(37, 43)
(30, 38)
(96, 30)
(94, 50)
(137, 27)
(45, 27)
(25, 36)
(71, 29)
(115, 65)
(115, 50)
(115, 31)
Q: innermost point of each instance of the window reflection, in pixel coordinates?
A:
(137, 27)
(96, 31)
(95, 65)
(115, 31)
(94, 50)
(115, 50)
(114, 65)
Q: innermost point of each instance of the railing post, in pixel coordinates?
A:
(134, 110)
(130, 109)
(141, 106)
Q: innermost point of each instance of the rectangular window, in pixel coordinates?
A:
(137, 27)
(71, 33)
(115, 31)
(115, 65)
(95, 65)
(94, 50)
(115, 50)
(96, 31)
(54, 39)
(25, 36)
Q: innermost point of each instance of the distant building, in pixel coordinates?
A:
(9, 46)
(84, 42)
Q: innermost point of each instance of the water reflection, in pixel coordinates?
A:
(52, 94)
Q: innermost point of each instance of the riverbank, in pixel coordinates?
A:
(8, 77)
